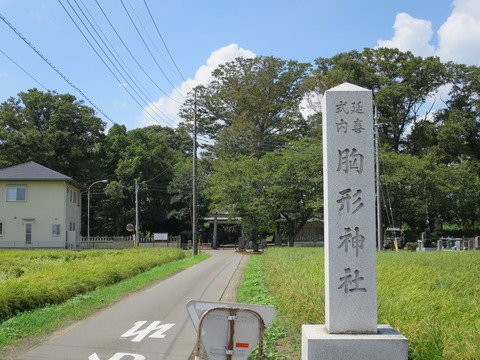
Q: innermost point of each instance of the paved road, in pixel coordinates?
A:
(151, 324)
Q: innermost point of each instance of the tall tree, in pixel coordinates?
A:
(401, 82)
(453, 134)
(148, 156)
(294, 188)
(421, 190)
(249, 103)
(284, 185)
(55, 130)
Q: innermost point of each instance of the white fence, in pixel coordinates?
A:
(123, 242)
(106, 242)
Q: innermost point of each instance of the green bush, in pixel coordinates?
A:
(411, 246)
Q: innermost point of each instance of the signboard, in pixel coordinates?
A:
(160, 236)
(229, 331)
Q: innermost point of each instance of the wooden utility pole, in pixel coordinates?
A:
(137, 225)
(378, 187)
(194, 181)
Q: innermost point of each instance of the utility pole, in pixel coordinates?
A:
(137, 226)
(378, 187)
(194, 181)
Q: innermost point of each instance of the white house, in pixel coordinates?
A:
(39, 208)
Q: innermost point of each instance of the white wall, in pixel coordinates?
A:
(47, 203)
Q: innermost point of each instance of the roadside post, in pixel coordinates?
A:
(229, 331)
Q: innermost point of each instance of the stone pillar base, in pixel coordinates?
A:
(387, 344)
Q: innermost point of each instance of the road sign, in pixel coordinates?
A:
(229, 331)
(160, 236)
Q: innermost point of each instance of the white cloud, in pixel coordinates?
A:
(170, 105)
(458, 41)
(459, 36)
(411, 35)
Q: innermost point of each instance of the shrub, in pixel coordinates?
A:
(411, 246)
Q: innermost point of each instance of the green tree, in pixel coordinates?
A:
(55, 130)
(181, 194)
(400, 81)
(453, 135)
(420, 191)
(294, 188)
(460, 189)
(284, 185)
(410, 190)
(250, 102)
(149, 157)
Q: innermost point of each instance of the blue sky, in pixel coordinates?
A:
(202, 34)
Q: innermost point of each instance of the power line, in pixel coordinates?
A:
(111, 61)
(68, 80)
(54, 67)
(164, 44)
(25, 71)
(130, 52)
(148, 49)
(147, 34)
(112, 47)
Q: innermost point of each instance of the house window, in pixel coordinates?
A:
(28, 233)
(1, 228)
(56, 229)
(75, 197)
(72, 226)
(17, 193)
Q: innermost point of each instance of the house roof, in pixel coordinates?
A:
(32, 171)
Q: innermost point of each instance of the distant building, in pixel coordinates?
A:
(39, 208)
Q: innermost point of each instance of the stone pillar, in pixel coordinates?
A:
(440, 244)
(349, 202)
(350, 330)
(420, 245)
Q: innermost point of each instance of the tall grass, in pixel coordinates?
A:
(32, 279)
(431, 298)
(253, 290)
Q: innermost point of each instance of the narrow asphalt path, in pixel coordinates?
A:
(150, 324)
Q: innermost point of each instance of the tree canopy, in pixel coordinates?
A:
(283, 187)
(401, 82)
(50, 128)
(261, 157)
(249, 103)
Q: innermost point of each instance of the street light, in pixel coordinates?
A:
(88, 205)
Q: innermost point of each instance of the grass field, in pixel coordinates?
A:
(432, 298)
(31, 279)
